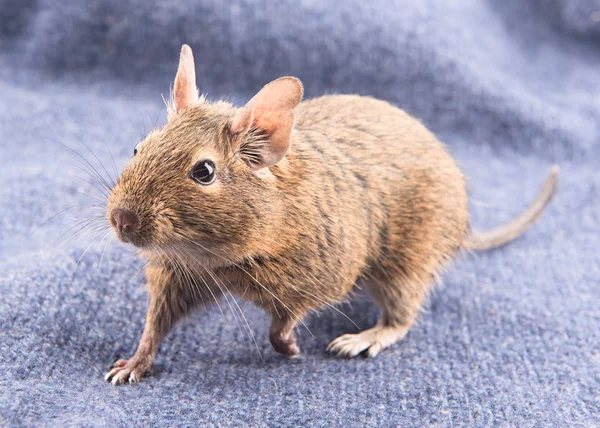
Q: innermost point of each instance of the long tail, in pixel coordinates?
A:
(516, 227)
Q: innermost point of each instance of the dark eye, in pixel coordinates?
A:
(135, 150)
(203, 172)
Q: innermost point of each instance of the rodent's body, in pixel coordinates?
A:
(288, 205)
(366, 191)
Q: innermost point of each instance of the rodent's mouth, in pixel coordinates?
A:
(122, 237)
(131, 238)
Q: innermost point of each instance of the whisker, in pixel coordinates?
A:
(102, 189)
(247, 324)
(109, 236)
(87, 221)
(256, 281)
(157, 116)
(216, 280)
(81, 156)
(138, 272)
(98, 234)
(149, 117)
(62, 211)
(98, 160)
(84, 253)
(189, 276)
(213, 294)
(322, 300)
(328, 305)
(226, 298)
(83, 231)
(93, 229)
(99, 176)
(114, 164)
(103, 202)
(185, 275)
(112, 159)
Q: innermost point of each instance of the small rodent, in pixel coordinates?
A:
(288, 204)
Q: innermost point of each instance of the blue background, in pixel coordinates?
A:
(511, 336)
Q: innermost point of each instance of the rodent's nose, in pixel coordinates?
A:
(125, 220)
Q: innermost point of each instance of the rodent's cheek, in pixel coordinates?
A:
(163, 226)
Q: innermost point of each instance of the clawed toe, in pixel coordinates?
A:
(125, 371)
(368, 343)
(118, 363)
(350, 345)
(118, 376)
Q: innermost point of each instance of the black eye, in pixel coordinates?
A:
(135, 150)
(204, 172)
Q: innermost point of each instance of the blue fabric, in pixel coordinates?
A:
(511, 337)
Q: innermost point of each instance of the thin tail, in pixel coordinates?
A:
(516, 227)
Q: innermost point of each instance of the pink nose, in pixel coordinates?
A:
(124, 220)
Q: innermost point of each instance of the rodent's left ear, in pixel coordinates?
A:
(185, 92)
(270, 111)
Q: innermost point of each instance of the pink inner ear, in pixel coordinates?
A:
(185, 92)
(272, 110)
(243, 119)
(278, 124)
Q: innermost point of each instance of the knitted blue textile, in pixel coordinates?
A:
(511, 337)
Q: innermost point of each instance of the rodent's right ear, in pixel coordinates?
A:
(271, 112)
(185, 92)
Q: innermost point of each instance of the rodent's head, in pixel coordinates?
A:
(205, 180)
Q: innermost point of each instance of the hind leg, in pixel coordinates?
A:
(400, 302)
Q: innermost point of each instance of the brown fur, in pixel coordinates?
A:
(364, 191)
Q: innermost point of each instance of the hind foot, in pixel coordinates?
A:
(370, 342)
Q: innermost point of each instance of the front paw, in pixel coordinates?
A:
(285, 345)
(129, 370)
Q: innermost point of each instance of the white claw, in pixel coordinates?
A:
(117, 379)
(371, 341)
(123, 373)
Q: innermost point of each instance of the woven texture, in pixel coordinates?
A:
(510, 337)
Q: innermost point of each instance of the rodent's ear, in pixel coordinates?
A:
(272, 112)
(185, 92)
